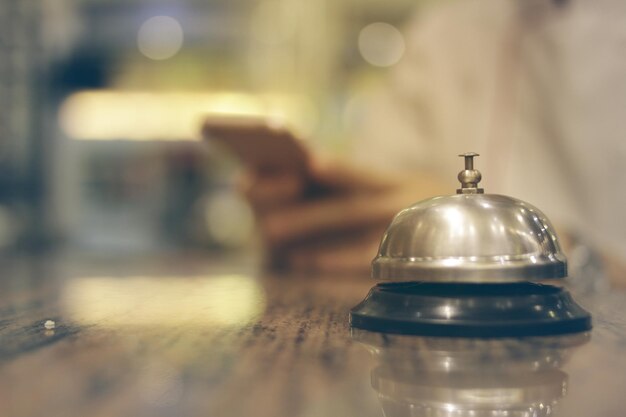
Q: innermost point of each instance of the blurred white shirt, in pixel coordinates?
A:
(537, 87)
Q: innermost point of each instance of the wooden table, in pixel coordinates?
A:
(186, 336)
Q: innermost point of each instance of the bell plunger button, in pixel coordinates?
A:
(469, 177)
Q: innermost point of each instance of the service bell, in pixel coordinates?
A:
(467, 265)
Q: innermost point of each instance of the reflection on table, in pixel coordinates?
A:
(420, 376)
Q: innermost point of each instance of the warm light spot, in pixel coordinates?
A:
(448, 311)
(456, 224)
(160, 37)
(450, 407)
(381, 44)
(492, 396)
(222, 301)
(131, 115)
(229, 220)
(451, 262)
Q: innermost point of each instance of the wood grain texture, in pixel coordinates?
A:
(138, 352)
(186, 336)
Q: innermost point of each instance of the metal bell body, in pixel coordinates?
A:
(470, 238)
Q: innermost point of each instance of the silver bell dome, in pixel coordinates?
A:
(469, 237)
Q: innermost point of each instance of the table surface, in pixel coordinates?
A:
(188, 336)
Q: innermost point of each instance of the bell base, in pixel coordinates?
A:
(470, 310)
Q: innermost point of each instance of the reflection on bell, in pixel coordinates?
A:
(469, 377)
(464, 265)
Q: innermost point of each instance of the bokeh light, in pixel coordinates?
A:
(172, 301)
(160, 37)
(381, 44)
(150, 115)
(229, 219)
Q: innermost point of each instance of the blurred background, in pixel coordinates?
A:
(101, 102)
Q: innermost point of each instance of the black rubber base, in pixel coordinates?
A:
(470, 310)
